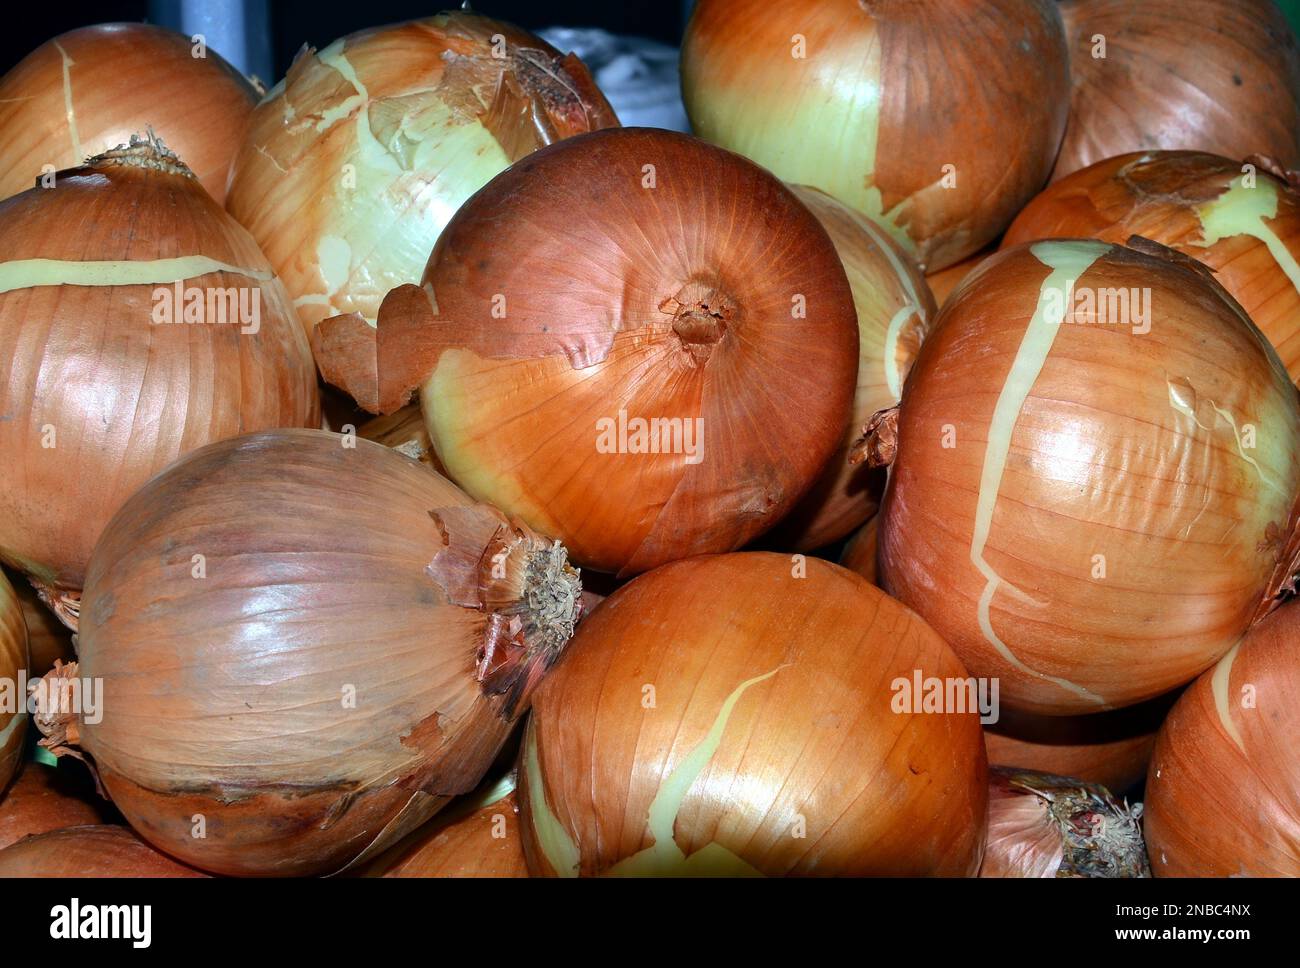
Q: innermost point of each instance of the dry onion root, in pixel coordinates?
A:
(740, 714)
(13, 660)
(1106, 505)
(1042, 825)
(308, 643)
(90, 851)
(353, 163)
(633, 307)
(89, 90)
(1223, 791)
(938, 120)
(44, 798)
(138, 322)
(1240, 219)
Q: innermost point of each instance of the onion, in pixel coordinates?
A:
(356, 160)
(47, 637)
(403, 431)
(1091, 511)
(894, 308)
(13, 701)
(482, 841)
(741, 714)
(1244, 226)
(89, 90)
(859, 553)
(43, 798)
(1206, 75)
(937, 120)
(107, 375)
(1223, 792)
(361, 640)
(1052, 826)
(943, 282)
(566, 307)
(1111, 749)
(92, 851)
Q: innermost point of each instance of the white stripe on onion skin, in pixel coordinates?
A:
(71, 114)
(1067, 261)
(29, 273)
(1241, 211)
(1219, 682)
(554, 840)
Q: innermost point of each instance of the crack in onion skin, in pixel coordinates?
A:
(89, 90)
(44, 798)
(674, 302)
(98, 396)
(764, 701)
(353, 163)
(1223, 790)
(90, 851)
(1126, 446)
(13, 660)
(894, 308)
(1172, 197)
(886, 94)
(330, 571)
(1221, 76)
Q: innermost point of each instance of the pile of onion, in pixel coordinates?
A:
(89, 90)
(748, 714)
(89, 851)
(1096, 477)
(1240, 220)
(631, 340)
(308, 641)
(13, 703)
(1223, 792)
(894, 308)
(938, 120)
(1221, 76)
(355, 161)
(44, 798)
(138, 321)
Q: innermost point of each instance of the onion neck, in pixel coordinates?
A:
(143, 151)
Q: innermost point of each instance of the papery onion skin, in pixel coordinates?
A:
(894, 307)
(886, 94)
(484, 843)
(733, 715)
(405, 432)
(1186, 199)
(1223, 791)
(569, 298)
(106, 381)
(44, 798)
(13, 660)
(1091, 547)
(47, 637)
(90, 851)
(1221, 76)
(333, 568)
(90, 89)
(353, 163)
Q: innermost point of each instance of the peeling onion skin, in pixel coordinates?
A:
(468, 847)
(1009, 480)
(90, 851)
(13, 659)
(888, 92)
(886, 285)
(122, 79)
(86, 369)
(1225, 805)
(44, 798)
(331, 571)
(1221, 76)
(347, 188)
(791, 676)
(1183, 199)
(677, 302)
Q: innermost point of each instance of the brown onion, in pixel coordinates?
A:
(614, 279)
(1223, 792)
(310, 643)
(113, 363)
(90, 89)
(405, 432)
(482, 841)
(943, 282)
(939, 120)
(894, 307)
(13, 700)
(1092, 510)
(93, 851)
(859, 553)
(1042, 825)
(47, 637)
(356, 160)
(44, 798)
(1205, 75)
(741, 714)
(1240, 221)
